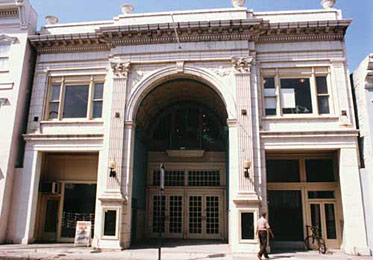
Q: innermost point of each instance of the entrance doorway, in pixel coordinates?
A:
(182, 124)
(303, 190)
(67, 194)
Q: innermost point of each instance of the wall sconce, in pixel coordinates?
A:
(247, 166)
(112, 167)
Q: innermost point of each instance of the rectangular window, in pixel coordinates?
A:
(320, 170)
(110, 223)
(270, 99)
(296, 96)
(68, 98)
(322, 95)
(76, 100)
(283, 171)
(4, 57)
(97, 100)
(292, 91)
(247, 225)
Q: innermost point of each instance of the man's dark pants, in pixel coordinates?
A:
(263, 243)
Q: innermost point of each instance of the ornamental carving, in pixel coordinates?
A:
(121, 69)
(222, 72)
(242, 64)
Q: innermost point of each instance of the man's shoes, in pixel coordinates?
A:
(259, 257)
(266, 257)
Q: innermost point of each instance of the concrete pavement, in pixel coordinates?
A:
(148, 251)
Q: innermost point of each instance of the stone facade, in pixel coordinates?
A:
(17, 22)
(362, 84)
(233, 52)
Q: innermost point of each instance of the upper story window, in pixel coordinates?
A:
(4, 57)
(296, 91)
(75, 98)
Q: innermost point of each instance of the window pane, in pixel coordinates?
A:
(97, 109)
(285, 215)
(316, 217)
(110, 223)
(269, 83)
(296, 96)
(323, 102)
(320, 170)
(321, 194)
(283, 171)
(322, 87)
(4, 63)
(99, 88)
(53, 110)
(331, 231)
(247, 225)
(4, 50)
(76, 100)
(55, 92)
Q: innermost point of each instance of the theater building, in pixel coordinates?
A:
(249, 112)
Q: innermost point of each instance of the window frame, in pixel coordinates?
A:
(73, 81)
(255, 213)
(309, 73)
(6, 56)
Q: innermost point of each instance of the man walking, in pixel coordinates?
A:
(262, 229)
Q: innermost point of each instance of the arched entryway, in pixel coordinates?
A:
(181, 122)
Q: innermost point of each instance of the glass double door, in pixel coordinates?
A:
(187, 215)
(323, 216)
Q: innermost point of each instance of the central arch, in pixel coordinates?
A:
(181, 121)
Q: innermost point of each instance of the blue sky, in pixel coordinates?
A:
(359, 39)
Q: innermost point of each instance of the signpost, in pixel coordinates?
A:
(162, 172)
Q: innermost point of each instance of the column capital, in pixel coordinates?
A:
(242, 64)
(120, 68)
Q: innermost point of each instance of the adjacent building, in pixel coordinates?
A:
(249, 112)
(362, 79)
(17, 22)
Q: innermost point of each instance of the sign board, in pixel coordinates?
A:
(288, 98)
(83, 233)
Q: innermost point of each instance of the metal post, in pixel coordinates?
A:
(161, 182)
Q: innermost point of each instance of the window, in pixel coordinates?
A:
(247, 225)
(283, 171)
(320, 170)
(4, 56)
(296, 91)
(75, 98)
(110, 223)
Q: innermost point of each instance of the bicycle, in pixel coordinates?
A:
(315, 241)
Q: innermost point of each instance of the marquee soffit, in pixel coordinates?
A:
(257, 30)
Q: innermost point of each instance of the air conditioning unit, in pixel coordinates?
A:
(50, 187)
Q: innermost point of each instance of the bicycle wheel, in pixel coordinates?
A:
(311, 243)
(321, 246)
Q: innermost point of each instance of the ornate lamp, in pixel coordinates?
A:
(247, 166)
(112, 167)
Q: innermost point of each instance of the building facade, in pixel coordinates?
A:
(362, 85)
(248, 111)
(17, 22)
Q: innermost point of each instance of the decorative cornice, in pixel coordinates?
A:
(242, 64)
(7, 39)
(257, 30)
(9, 13)
(120, 68)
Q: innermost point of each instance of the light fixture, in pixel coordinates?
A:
(247, 166)
(112, 167)
(302, 80)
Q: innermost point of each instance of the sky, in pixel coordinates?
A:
(359, 37)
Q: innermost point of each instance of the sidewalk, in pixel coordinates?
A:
(214, 251)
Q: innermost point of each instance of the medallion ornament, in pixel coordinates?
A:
(238, 3)
(327, 4)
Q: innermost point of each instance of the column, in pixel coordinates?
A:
(27, 196)
(354, 228)
(242, 68)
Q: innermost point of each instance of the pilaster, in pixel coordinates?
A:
(242, 68)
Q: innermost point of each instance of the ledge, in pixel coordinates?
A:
(315, 133)
(60, 137)
(186, 153)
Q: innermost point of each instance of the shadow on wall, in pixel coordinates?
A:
(1, 175)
